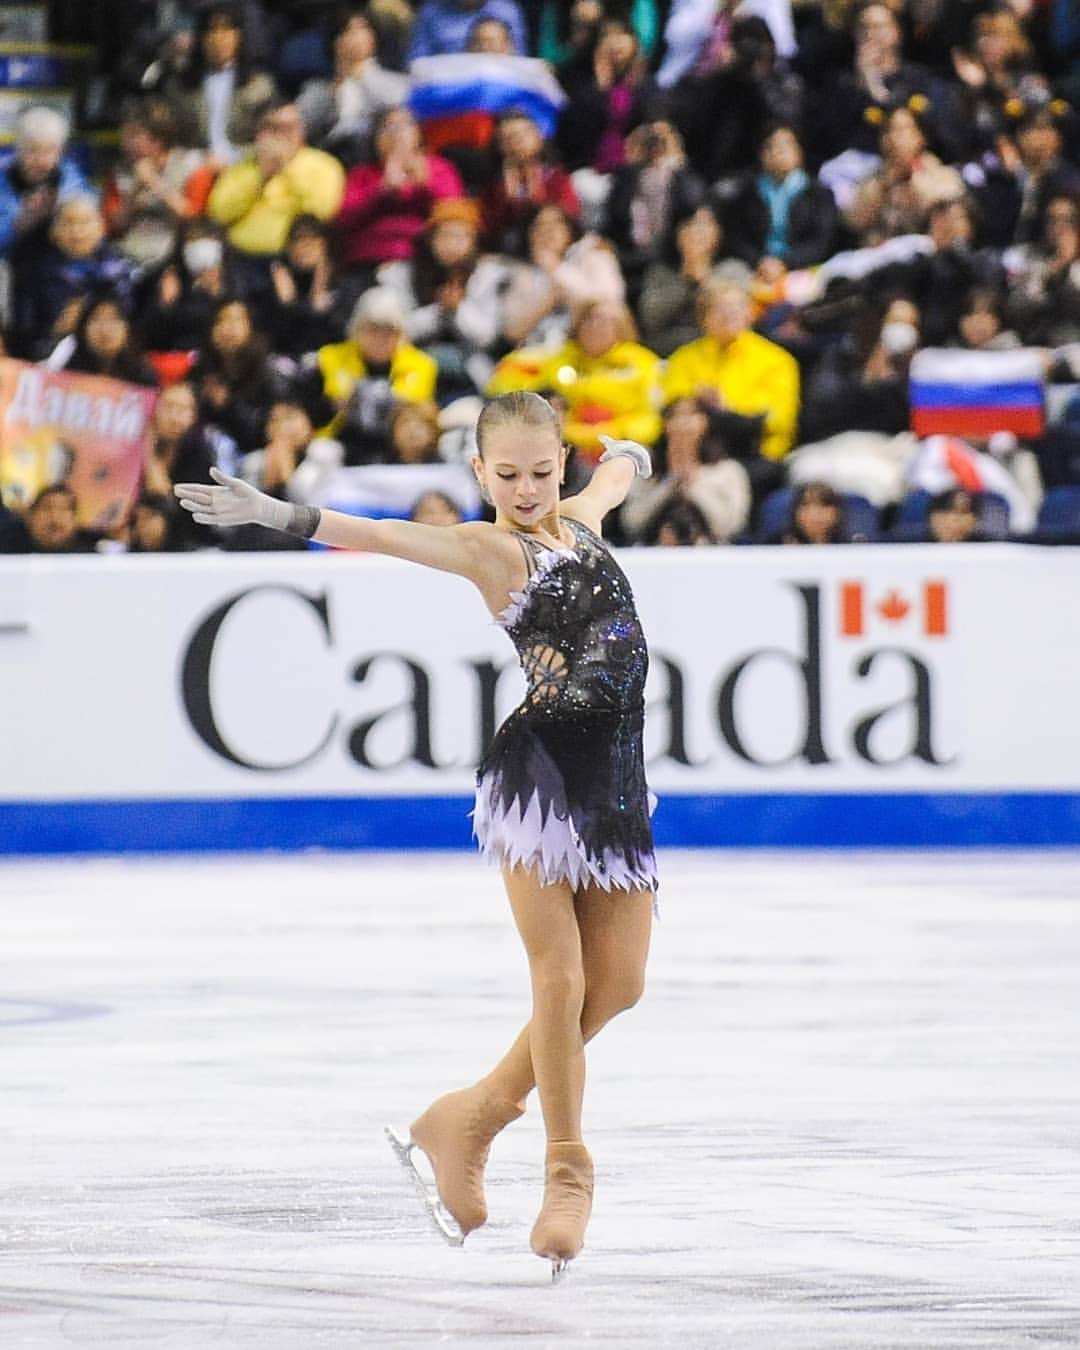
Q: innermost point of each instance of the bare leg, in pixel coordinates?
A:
(547, 921)
(554, 937)
(615, 929)
(456, 1130)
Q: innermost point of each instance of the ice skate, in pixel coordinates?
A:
(455, 1135)
(441, 1217)
(559, 1231)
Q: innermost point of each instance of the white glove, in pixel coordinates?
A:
(234, 502)
(631, 450)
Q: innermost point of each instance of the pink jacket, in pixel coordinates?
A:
(377, 224)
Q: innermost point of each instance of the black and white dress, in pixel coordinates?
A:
(562, 787)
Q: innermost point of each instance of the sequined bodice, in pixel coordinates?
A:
(576, 630)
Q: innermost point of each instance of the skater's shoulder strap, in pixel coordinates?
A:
(532, 548)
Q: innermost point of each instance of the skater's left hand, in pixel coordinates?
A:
(613, 449)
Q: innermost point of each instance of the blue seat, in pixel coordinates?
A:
(1060, 511)
(861, 517)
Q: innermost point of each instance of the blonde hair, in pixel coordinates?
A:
(523, 407)
(625, 328)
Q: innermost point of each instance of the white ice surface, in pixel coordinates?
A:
(846, 1114)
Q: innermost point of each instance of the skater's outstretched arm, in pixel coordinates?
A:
(463, 549)
(620, 464)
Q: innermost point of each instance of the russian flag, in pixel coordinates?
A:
(457, 97)
(957, 393)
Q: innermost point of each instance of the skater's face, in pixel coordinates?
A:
(521, 468)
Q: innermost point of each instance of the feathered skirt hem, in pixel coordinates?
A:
(568, 802)
(552, 848)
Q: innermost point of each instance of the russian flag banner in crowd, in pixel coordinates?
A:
(457, 97)
(959, 393)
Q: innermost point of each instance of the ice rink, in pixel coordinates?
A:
(846, 1114)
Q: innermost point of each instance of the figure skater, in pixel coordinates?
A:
(561, 800)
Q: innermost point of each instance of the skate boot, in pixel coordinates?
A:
(456, 1133)
(559, 1231)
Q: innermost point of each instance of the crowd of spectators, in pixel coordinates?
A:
(747, 219)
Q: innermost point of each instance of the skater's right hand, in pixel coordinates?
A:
(232, 502)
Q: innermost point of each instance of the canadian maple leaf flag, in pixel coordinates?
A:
(893, 607)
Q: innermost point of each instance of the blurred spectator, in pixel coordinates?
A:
(180, 301)
(310, 301)
(492, 37)
(567, 33)
(10, 527)
(154, 525)
(609, 93)
(679, 524)
(737, 369)
(1044, 300)
(444, 25)
(35, 181)
(258, 199)
(897, 197)
(436, 508)
(387, 204)
(981, 326)
(687, 466)
(236, 386)
(50, 525)
(564, 269)
(940, 280)
(668, 306)
(527, 178)
(156, 49)
(817, 516)
(155, 185)
(861, 384)
(339, 112)
(294, 461)
(414, 433)
(179, 452)
(781, 219)
(848, 111)
(697, 37)
(991, 71)
(361, 379)
(953, 518)
(452, 297)
(103, 344)
(724, 103)
(649, 194)
(49, 289)
(608, 381)
(218, 98)
(1033, 172)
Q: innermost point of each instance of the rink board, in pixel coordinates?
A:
(897, 696)
(849, 820)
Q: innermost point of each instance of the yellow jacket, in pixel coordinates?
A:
(617, 394)
(412, 374)
(752, 376)
(258, 214)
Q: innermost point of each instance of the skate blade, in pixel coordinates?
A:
(448, 1227)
